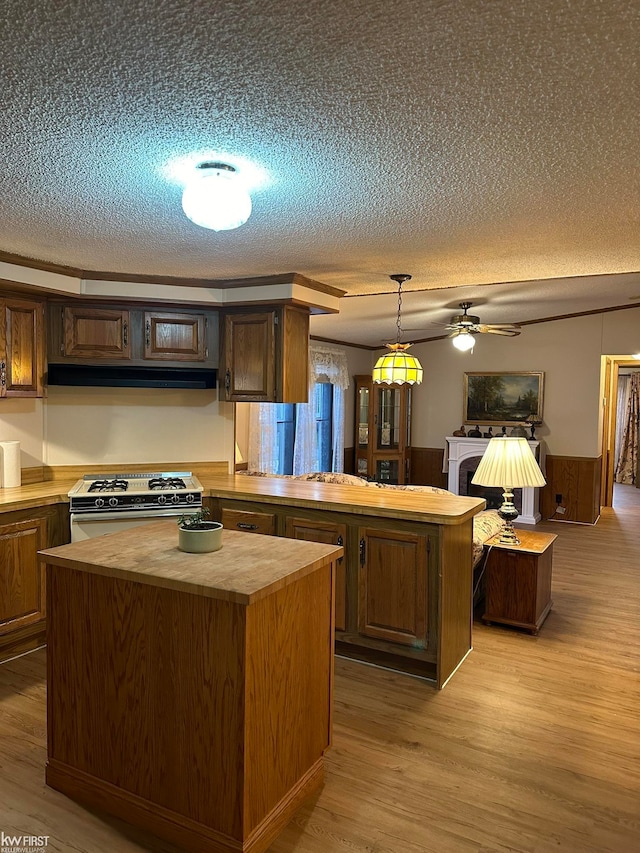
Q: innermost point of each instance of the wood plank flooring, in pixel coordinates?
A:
(533, 746)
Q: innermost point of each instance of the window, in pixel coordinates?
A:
(288, 438)
(286, 416)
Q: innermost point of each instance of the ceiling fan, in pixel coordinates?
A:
(471, 323)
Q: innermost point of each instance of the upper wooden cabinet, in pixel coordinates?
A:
(21, 347)
(264, 355)
(114, 334)
(96, 332)
(175, 337)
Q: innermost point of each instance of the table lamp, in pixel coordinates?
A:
(509, 464)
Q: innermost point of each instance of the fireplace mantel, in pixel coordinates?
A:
(461, 448)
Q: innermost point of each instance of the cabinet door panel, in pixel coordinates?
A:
(174, 337)
(96, 332)
(23, 348)
(329, 534)
(249, 357)
(393, 586)
(250, 522)
(22, 594)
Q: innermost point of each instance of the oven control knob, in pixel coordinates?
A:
(162, 499)
(99, 501)
(190, 499)
(113, 501)
(175, 498)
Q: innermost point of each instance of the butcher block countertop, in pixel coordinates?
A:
(246, 568)
(358, 500)
(35, 495)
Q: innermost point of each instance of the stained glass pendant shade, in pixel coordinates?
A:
(398, 366)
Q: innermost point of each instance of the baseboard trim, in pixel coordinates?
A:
(171, 826)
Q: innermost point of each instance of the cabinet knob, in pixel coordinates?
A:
(340, 542)
(363, 552)
(3, 373)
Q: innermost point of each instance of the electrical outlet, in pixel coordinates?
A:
(558, 499)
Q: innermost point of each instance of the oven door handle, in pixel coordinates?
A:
(125, 514)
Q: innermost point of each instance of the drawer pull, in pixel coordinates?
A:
(243, 525)
(340, 542)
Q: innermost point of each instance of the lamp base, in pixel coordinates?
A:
(508, 535)
(508, 513)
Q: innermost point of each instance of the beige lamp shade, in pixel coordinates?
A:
(508, 462)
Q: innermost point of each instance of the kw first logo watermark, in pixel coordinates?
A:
(23, 843)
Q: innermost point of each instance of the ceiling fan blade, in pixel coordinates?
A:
(496, 330)
(487, 327)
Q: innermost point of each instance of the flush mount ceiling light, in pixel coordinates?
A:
(216, 197)
(398, 366)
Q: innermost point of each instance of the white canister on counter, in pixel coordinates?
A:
(10, 474)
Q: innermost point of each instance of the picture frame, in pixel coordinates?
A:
(501, 397)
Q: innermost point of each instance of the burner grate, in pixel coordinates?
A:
(115, 485)
(167, 483)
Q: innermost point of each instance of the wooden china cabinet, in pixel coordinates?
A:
(383, 431)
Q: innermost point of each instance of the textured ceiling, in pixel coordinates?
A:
(465, 142)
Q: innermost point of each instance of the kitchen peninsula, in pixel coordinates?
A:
(190, 694)
(403, 590)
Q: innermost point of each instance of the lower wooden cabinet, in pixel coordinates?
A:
(22, 583)
(249, 521)
(394, 604)
(329, 534)
(393, 586)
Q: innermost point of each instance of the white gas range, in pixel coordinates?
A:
(107, 503)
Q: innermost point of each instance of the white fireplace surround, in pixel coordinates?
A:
(462, 448)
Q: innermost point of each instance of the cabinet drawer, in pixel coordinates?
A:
(252, 522)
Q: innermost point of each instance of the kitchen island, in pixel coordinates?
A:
(190, 694)
(404, 588)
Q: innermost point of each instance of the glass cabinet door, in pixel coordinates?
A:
(387, 471)
(363, 417)
(388, 419)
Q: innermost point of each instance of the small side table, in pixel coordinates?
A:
(518, 581)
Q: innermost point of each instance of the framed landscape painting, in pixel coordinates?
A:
(502, 398)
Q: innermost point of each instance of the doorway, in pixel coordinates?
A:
(611, 370)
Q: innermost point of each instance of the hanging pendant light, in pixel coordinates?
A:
(398, 366)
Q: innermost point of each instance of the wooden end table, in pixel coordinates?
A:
(518, 581)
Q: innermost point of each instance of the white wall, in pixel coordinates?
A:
(567, 351)
(102, 425)
(80, 426)
(22, 420)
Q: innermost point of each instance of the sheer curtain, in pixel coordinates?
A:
(621, 414)
(325, 365)
(263, 438)
(628, 461)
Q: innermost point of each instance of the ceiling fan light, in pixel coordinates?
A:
(216, 199)
(398, 367)
(464, 341)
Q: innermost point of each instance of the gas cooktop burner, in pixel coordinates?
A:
(167, 483)
(115, 485)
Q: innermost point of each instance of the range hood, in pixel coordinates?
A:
(130, 377)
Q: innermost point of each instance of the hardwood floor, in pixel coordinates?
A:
(533, 746)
